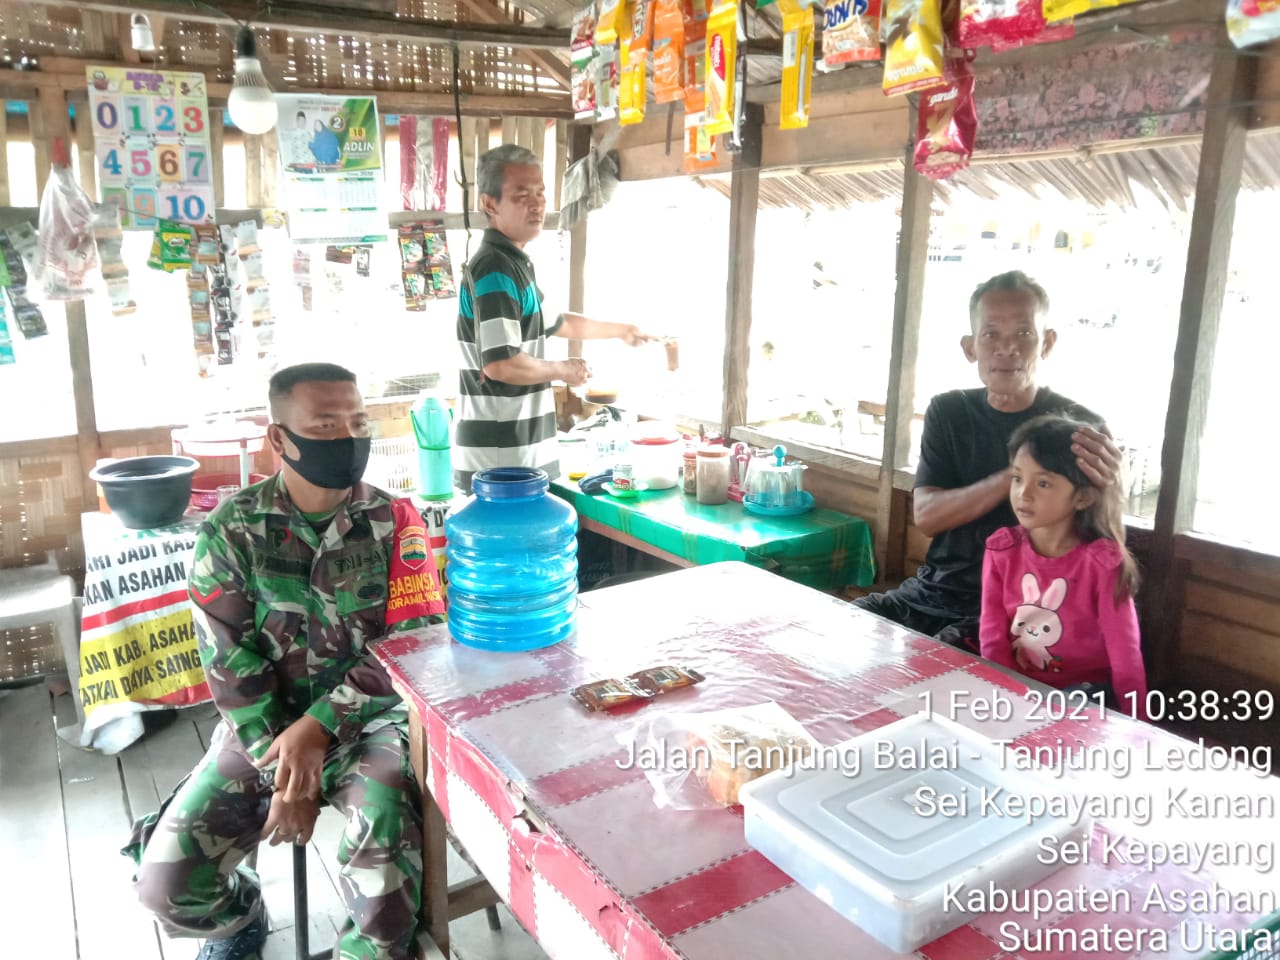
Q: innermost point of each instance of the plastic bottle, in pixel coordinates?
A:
(431, 419)
(713, 475)
(512, 563)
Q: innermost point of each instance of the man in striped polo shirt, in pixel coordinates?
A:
(507, 409)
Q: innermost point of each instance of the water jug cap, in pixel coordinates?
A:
(509, 483)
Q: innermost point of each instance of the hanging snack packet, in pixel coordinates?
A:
(999, 23)
(606, 70)
(699, 145)
(850, 32)
(722, 64)
(581, 53)
(913, 50)
(611, 13)
(947, 124)
(1055, 10)
(668, 51)
(797, 63)
(1253, 21)
(695, 56)
(634, 54)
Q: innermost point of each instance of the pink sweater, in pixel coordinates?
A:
(1055, 619)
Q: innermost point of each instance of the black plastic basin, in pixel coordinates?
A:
(146, 492)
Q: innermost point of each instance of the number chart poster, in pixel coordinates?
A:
(151, 134)
(331, 157)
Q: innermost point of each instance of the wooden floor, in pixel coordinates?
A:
(65, 813)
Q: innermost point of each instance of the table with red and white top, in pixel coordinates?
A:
(535, 787)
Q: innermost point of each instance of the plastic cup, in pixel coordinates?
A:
(227, 490)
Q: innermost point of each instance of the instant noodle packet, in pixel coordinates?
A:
(581, 54)
(668, 51)
(947, 124)
(850, 32)
(641, 685)
(1252, 21)
(722, 66)
(913, 46)
(797, 63)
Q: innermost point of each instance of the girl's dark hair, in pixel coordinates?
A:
(1048, 440)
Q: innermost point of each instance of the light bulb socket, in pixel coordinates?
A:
(143, 40)
(246, 45)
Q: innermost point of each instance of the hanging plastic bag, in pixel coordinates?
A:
(67, 253)
(698, 761)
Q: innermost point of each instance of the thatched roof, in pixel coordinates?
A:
(1102, 177)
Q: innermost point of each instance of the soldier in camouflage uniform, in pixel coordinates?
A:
(289, 588)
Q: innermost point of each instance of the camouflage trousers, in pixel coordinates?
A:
(190, 873)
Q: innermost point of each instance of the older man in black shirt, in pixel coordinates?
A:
(962, 481)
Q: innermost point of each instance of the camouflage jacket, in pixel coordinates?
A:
(284, 615)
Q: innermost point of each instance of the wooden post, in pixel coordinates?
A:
(49, 119)
(270, 169)
(467, 155)
(580, 146)
(215, 147)
(1208, 252)
(4, 160)
(87, 441)
(562, 157)
(88, 155)
(744, 195)
(899, 406)
(253, 171)
(511, 130)
(536, 135)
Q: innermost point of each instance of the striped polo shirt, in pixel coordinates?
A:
(500, 315)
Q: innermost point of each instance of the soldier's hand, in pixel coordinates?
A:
(290, 822)
(299, 750)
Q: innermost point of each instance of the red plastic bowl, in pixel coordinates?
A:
(204, 490)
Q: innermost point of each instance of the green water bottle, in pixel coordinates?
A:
(431, 420)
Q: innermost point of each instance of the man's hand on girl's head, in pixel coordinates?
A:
(1098, 456)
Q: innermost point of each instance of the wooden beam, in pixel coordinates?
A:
(1208, 254)
(744, 195)
(67, 74)
(299, 17)
(455, 221)
(218, 171)
(87, 439)
(908, 302)
(579, 146)
(486, 11)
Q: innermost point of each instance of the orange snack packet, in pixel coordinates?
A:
(913, 46)
(695, 64)
(722, 64)
(634, 53)
(699, 145)
(668, 51)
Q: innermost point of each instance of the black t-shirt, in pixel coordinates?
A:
(965, 440)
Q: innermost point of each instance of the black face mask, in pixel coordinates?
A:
(332, 464)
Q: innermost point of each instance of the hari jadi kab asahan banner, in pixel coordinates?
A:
(138, 644)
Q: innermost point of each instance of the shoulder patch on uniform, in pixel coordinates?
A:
(411, 541)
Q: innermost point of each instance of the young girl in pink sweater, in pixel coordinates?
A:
(1057, 590)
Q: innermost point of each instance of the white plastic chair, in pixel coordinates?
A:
(42, 594)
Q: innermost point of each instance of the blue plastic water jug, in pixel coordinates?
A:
(431, 428)
(512, 563)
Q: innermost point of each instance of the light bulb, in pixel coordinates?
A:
(143, 41)
(251, 103)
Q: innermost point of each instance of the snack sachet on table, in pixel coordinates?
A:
(699, 761)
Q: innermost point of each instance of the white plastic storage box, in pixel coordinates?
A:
(881, 846)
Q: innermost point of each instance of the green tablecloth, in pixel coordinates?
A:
(822, 548)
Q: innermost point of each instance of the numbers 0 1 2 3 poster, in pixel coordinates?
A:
(151, 136)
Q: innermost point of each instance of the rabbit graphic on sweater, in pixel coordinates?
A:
(1036, 624)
